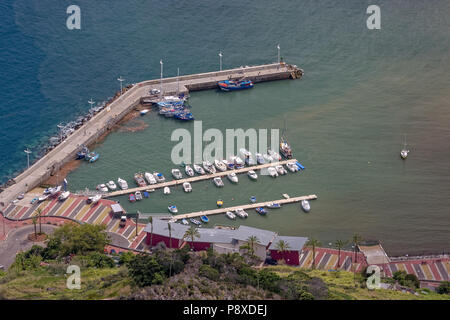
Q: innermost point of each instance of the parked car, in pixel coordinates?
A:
(34, 200)
(271, 261)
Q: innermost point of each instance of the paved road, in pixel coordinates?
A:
(118, 240)
(17, 241)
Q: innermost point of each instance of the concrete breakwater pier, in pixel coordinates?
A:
(103, 121)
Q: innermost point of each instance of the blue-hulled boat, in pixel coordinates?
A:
(233, 85)
(183, 116)
(82, 153)
(261, 211)
(205, 219)
(253, 199)
(92, 156)
(146, 195)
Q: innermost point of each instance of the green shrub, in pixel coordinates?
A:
(145, 270)
(126, 257)
(99, 260)
(444, 288)
(209, 272)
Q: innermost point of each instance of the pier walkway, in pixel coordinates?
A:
(244, 207)
(117, 109)
(193, 179)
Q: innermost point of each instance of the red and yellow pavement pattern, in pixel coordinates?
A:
(433, 269)
(327, 259)
(76, 208)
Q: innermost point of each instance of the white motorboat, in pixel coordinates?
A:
(187, 187)
(150, 178)
(173, 209)
(166, 190)
(43, 197)
(247, 156)
(292, 167)
(159, 177)
(189, 171)
(228, 164)
(144, 112)
(102, 187)
(275, 156)
(232, 177)
(198, 169)
(122, 184)
(230, 215)
(220, 165)
(305, 205)
(238, 163)
(184, 221)
(259, 158)
(241, 213)
(280, 169)
(54, 190)
(209, 167)
(64, 195)
(272, 172)
(138, 195)
(274, 205)
(404, 152)
(218, 182)
(94, 199)
(252, 175)
(176, 173)
(111, 185)
(286, 196)
(268, 158)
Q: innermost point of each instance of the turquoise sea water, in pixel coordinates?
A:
(363, 90)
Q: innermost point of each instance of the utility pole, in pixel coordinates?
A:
(120, 79)
(28, 151)
(137, 220)
(278, 47)
(178, 81)
(220, 60)
(161, 87)
(60, 127)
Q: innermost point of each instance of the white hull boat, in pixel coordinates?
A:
(144, 112)
(228, 164)
(305, 205)
(94, 199)
(275, 156)
(292, 167)
(233, 177)
(64, 195)
(150, 178)
(252, 175)
(55, 190)
(272, 172)
(102, 187)
(176, 173)
(138, 195)
(259, 158)
(166, 190)
(43, 197)
(198, 169)
(220, 165)
(218, 182)
(241, 213)
(111, 185)
(122, 184)
(159, 177)
(187, 187)
(172, 209)
(268, 158)
(189, 171)
(208, 166)
(230, 215)
(280, 170)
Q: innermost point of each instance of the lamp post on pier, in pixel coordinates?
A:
(91, 102)
(60, 127)
(161, 87)
(220, 60)
(28, 151)
(120, 79)
(178, 81)
(278, 47)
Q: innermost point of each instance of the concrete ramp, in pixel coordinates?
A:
(374, 254)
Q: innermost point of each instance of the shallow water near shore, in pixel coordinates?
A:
(362, 92)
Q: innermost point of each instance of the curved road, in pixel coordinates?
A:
(17, 241)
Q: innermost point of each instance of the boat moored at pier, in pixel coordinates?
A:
(233, 85)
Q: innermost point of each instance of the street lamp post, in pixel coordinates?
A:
(120, 79)
(60, 127)
(91, 102)
(161, 87)
(178, 81)
(278, 47)
(28, 151)
(220, 60)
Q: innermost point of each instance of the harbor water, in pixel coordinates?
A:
(363, 90)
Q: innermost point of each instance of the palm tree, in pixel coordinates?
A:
(150, 220)
(169, 226)
(313, 243)
(34, 220)
(137, 222)
(357, 239)
(252, 240)
(39, 214)
(339, 244)
(192, 233)
(282, 246)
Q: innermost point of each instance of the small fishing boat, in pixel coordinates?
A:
(173, 209)
(404, 152)
(247, 156)
(176, 173)
(34, 200)
(272, 172)
(122, 184)
(238, 163)
(292, 167)
(274, 205)
(275, 156)
(150, 178)
(166, 190)
(218, 182)
(159, 177)
(92, 156)
(187, 187)
(253, 199)
(220, 165)
(64, 195)
(280, 169)
(138, 195)
(268, 158)
(43, 197)
(184, 221)
(189, 171)
(55, 190)
(111, 185)
(252, 175)
(241, 213)
(219, 203)
(285, 195)
(259, 158)
(195, 221)
(102, 187)
(230, 215)
(82, 153)
(144, 112)
(139, 178)
(146, 194)
(233, 177)
(233, 85)
(209, 167)
(94, 199)
(285, 148)
(228, 164)
(204, 219)
(198, 169)
(305, 205)
(261, 211)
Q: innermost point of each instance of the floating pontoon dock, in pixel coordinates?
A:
(244, 207)
(193, 179)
